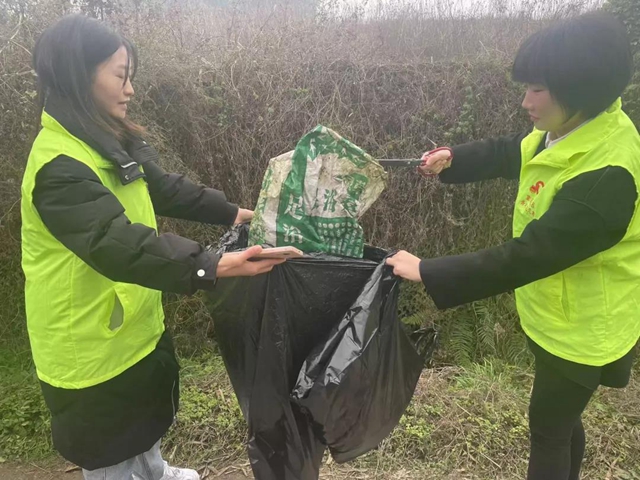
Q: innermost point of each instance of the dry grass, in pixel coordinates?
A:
(221, 92)
(463, 423)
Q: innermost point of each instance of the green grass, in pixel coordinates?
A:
(210, 428)
(24, 418)
(463, 423)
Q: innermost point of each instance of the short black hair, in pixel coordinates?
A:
(585, 62)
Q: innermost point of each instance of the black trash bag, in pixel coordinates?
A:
(356, 385)
(268, 327)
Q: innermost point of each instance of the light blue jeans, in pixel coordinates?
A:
(146, 466)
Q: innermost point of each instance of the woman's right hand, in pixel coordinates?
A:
(435, 161)
(241, 265)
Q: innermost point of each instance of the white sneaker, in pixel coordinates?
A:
(174, 473)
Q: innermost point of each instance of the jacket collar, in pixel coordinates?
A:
(108, 146)
(583, 139)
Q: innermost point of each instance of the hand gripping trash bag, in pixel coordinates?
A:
(305, 313)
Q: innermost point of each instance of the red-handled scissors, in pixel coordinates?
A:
(412, 162)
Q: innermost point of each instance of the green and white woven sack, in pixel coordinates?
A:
(313, 196)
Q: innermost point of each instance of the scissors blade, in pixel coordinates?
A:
(400, 162)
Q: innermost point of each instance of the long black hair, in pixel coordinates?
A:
(585, 62)
(65, 59)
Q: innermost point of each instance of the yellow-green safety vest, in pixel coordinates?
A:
(70, 306)
(588, 313)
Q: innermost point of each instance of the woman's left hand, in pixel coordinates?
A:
(244, 216)
(406, 266)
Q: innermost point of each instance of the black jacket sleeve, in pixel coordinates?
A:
(475, 161)
(90, 221)
(590, 214)
(176, 196)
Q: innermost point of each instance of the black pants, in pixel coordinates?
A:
(557, 434)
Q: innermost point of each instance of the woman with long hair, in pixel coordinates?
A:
(95, 265)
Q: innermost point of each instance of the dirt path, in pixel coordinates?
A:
(9, 471)
(57, 470)
(60, 471)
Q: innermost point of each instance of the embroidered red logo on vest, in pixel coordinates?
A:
(529, 203)
(536, 188)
